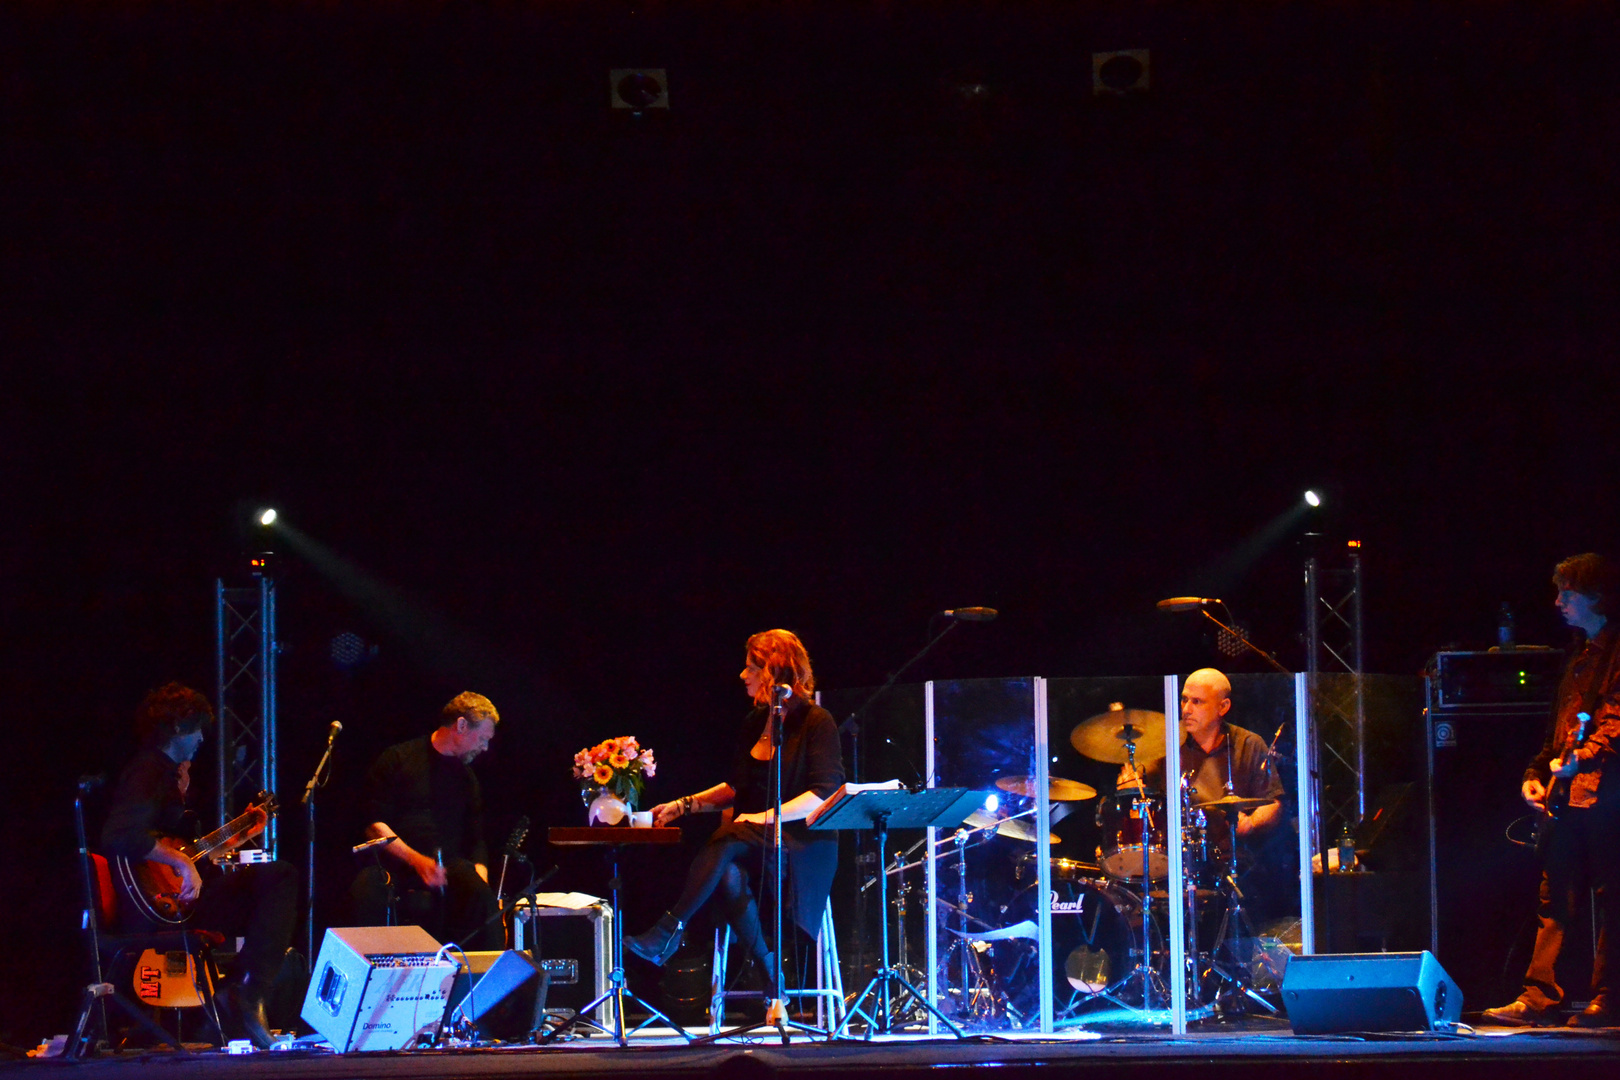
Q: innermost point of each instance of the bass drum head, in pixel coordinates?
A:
(1096, 935)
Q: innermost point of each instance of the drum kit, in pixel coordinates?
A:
(1108, 940)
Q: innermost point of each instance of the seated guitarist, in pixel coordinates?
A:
(148, 808)
(1584, 846)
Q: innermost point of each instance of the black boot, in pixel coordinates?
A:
(659, 943)
(243, 1005)
(745, 927)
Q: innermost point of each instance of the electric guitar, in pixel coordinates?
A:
(153, 888)
(1557, 800)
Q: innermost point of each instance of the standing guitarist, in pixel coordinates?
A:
(147, 810)
(1582, 784)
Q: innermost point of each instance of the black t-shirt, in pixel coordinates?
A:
(1240, 757)
(145, 804)
(432, 801)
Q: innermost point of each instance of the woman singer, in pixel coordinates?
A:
(775, 665)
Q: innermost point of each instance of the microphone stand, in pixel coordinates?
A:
(1244, 641)
(318, 779)
(852, 726)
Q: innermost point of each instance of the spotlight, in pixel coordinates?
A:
(1312, 499)
(639, 89)
(267, 516)
(1118, 73)
(993, 802)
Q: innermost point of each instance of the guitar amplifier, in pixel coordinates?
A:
(378, 987)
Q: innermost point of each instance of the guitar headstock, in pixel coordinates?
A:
(266, 801)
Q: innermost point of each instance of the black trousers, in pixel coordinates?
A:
(1583, 853)
(258, 903)
(462, 913)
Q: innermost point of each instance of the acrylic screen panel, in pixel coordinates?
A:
(984, 731)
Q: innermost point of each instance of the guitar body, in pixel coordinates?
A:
(152, 888)
(1558, 791)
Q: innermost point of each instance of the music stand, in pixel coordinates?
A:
(614, 837)
(930, 808)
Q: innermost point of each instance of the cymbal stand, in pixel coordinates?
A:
(977, 1001)
(1143, 972)
(1236, 992)
(902, 895)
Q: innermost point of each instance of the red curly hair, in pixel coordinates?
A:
(782, 655)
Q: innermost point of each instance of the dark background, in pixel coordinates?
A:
(888, 313)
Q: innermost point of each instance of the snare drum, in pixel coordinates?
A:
(1121, 819)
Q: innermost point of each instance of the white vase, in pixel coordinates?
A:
(608, 809)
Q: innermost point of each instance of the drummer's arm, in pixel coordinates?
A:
(1259, 820)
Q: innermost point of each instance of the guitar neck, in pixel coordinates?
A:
(235, 831)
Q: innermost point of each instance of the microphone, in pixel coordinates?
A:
(1186, 603)
(332, 732)
(782, 692)
(970, 614)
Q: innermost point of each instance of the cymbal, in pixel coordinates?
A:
(1011, 828)
(1102, 737)
(1232, 802)
(1058, 789)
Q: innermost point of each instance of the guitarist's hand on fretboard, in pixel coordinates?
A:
(1564, 768)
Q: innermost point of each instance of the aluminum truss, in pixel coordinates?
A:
(1333, 656)
(245, 693)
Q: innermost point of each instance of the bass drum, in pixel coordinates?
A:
(1096, 935)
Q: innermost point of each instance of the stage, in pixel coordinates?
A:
(1260, 1049)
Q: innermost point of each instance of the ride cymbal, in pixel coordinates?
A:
(1103, 737)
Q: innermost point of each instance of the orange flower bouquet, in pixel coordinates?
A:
(620, 766)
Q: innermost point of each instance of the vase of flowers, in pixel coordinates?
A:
(611, 775)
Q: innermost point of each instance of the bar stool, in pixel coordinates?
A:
(828, 991)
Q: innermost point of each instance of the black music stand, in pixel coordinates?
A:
(932, 807)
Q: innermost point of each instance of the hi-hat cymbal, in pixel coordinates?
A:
(1058, 789)
(1012, 828)
(1232, 802)
(1102, 737)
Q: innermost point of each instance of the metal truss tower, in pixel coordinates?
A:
(1333, 655)
(245, 694)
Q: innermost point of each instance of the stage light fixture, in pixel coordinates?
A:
(993, 802)
(1118, 73)
(267, 516)
(1312, 499)
(639, 89)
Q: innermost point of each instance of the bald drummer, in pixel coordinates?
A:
(1222, 758)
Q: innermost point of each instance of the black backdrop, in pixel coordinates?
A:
(887, 314)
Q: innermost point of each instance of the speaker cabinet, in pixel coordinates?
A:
(378, 987)
(1484, 885)
(1369, 992)
(495, 990)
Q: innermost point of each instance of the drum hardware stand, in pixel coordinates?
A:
(1236, 985)
(1143, 971)
(978, 1000)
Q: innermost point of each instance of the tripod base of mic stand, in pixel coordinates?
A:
(776, 1019)
(890, 981)
(618, 995)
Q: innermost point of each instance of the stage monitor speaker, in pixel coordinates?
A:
(486, 980)
(378, 988)
(1369, 992)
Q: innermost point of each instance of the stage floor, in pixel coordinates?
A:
(1261, 1049)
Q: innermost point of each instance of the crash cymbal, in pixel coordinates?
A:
(1058, 789)
(1102, 737)
(1019, 828)
(1232, 802)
